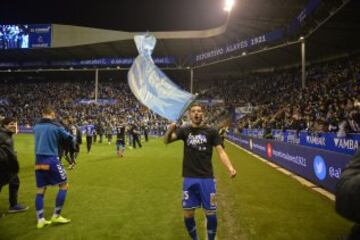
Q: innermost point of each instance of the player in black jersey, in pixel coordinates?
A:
(120, 140)
(199, 184)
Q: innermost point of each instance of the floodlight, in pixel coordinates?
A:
(229, 5)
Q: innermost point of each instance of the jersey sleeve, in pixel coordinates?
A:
(64, 134)
(216, 139)
(180, 133)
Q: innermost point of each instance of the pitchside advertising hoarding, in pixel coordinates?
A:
(330, 141)
(319, 166)
(348, 144)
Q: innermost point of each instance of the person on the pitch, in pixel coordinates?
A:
(120, 140)
(48, 169)
(9, 166)
(199, 183)
(89, 131)
(136, 135)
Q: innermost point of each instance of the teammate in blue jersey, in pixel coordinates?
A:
(48, 169)
(199, 189)
(89, 132)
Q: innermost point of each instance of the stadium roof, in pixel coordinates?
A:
(249, 18)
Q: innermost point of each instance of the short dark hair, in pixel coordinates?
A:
(47, 110)
(196, 104)
(7, 120)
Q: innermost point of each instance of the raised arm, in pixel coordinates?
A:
(225, 160)
(170, 135)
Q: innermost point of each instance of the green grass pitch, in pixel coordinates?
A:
(139, 197)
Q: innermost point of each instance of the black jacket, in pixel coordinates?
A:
(348, 191)
(9, 165)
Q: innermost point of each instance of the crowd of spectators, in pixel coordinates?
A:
(75, 99)
(330, 102)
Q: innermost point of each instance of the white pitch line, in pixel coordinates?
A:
(298, 178)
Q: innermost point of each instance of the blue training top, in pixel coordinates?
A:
(48, 136)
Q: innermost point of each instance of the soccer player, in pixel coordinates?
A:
(120, 140)
(48, 169)
(199, 183)
(89, 131)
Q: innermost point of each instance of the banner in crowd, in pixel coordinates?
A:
(321, 167)
(96, 62)
(210, 102)
(327, 141)
(99, 101)
(299, 19)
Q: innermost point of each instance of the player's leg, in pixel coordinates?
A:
(39, 205)
(42, 176)
(118, 148)
(77, 152)
(88, 143)
(189, 220)
(191, 200)
(59, 178)
(14, 186)
(71, 158)
(208, 199)
(139, 140)
(133, 141)
(67, 155)
(211, 223)
(59, 204)
(122, 148)
(130, 141)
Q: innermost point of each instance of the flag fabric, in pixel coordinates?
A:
(152, 87)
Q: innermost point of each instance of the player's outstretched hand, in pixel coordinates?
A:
(232, 172)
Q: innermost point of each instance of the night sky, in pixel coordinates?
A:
(126, 15)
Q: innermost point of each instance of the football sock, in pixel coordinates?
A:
(211, 226)
(39, 205)
(191, 227)
(60, 199)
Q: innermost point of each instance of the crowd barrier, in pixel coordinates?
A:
(322, 167)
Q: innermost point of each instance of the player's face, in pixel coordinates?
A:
(196, 115)
(12, 126)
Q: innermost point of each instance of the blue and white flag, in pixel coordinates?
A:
(152, 87)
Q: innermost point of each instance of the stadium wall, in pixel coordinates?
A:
(319, 166)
